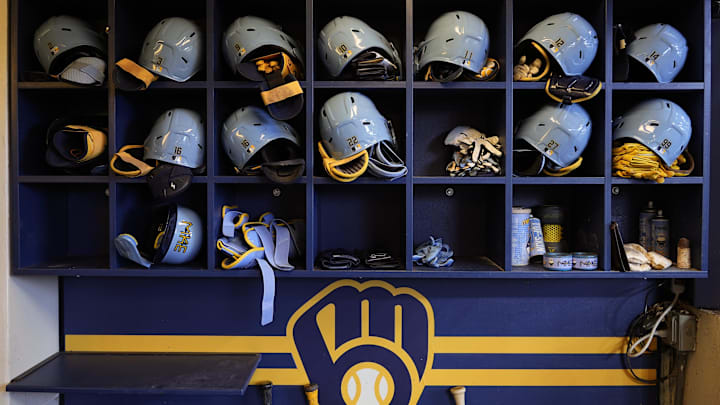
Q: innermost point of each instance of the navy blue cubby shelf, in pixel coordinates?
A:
(64, 224)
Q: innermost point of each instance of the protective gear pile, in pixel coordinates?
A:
(476, 154)
(77, 145)
(633, 160)
(267, 243)
(433, 253)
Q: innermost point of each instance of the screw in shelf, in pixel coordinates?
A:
(615, 190)
(449, 191)
(276, 192)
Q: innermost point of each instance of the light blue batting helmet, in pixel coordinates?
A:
(178, 137)
(173, 49)
(62, 39)
(456, 37)
(660, 48)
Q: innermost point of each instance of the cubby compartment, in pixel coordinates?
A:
(389, 102)
(227, 101)
(135, 18)
(439, 112)
(286, 202)
(290, 16)
(360, 218)
(37, 109)
(469, 218)
(492, 13)
(688, 19)
(528, 102)
(680, 203)
(137, 112)
(384, 16)
(62, 226)
(135, 214)
(527, 13)
(582, 207)
(32, 13)
(690, 101)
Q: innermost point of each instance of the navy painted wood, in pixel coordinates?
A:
(126, 373)
(421, 111)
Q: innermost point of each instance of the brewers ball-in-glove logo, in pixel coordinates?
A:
(377, 357)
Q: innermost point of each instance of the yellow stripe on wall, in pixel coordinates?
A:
(279, 376)
(536, 377)
(283, 344)
(175, 343)
(529, 345)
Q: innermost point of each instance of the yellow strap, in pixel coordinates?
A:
(96, 141)
(142, 167)
(340, 170)
(634, 160)
(565, 170)
(281, 93)
(547, 64)
(136, 70)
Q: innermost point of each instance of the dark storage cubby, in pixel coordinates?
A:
(370, 212)
(528, 102)
(135, 215)
(135, 18)
(137, 112)
(437, 113)
(227, 101)
(527, 13)
(286, 202)
(290, 16)
(389, 102)
(37, 109)
(690, 101)
(359, 218)
(687, 19)
(32, 13)
(680, 203)
(63, 226)
(468, 219)
(491, 12)
(583, 209)
(386, 17)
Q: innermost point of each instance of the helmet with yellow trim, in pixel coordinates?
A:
(661, 125)
(348, 46)
(176, 238)
(566, 38)
(456, 42)
(356, 138)
(77, 144)
(559, 133)
(255, 142)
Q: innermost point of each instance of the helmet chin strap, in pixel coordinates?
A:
(373, 65)
(551, 170)
(345, 170)
(284, 171)
(443, 72)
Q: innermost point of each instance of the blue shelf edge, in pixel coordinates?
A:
(459, 85)
(458, 180)
(558, 180)
(658, 86)
(361, 180)
(358, 84)
(669, 180)
(517, 273)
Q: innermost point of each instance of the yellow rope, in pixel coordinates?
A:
(634, 160)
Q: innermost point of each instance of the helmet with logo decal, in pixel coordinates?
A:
(178, 137)
(173, 49)
(253, 141)
(568, 38)
(559, 132)
(355, 138)
(249, 37)
(659, 124)
(456, 41)
(175, 238)
(660, 48)
(68, 47)
(348, 45)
